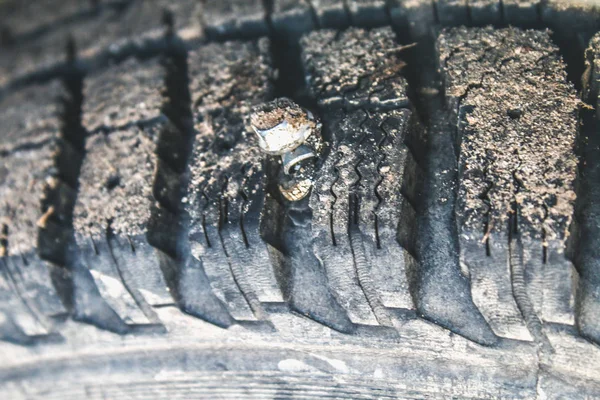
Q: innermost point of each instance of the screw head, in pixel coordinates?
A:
(282, 126)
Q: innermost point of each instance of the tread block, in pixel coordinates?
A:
(137, 86)
(11, 332)
(227, 179)
(452, 12)
(168, 229)
(29, 116)
(517, 119)
(141, 17)
(336, 79)
(560, 15)
(368, 13)
(24, 175)
(25, 171)
(417, 16)
(331, 223)
(16, 312)
(48, 49)
(112, 213)
(521, 13)
(361, 212)
(484, 12)
(223, 20)
(56, 242)
(112, 26)
(23, 18)
(98, 258)
(331, 14)
(307, 287)
(586, 232)
(33, 283)
(292, 18)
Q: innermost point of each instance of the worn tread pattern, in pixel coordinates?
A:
(25, 171)
(290, 18)
(110, 26)
(227, 184)
(366, 120)
(514, 204)
(175, 208)
(112, 213)
(55, 238)
(168, 227)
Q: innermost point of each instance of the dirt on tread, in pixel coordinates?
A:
(448, 247)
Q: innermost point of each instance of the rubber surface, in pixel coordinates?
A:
(448, 247)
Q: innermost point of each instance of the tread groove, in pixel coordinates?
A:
(437, 255)
(381, 160)
(168, 230)
(546, 15)
(584, 245)
(386, 220)
(335, 198)
(125, 278)
(237, 272)
(244, 205)
(361, 265)
(519, 289)
(56, 242)
(89, 13)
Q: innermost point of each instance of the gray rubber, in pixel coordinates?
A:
(516, 175)
(585, 249)
(448, 247)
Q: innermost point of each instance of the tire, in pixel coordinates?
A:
(448, 248)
